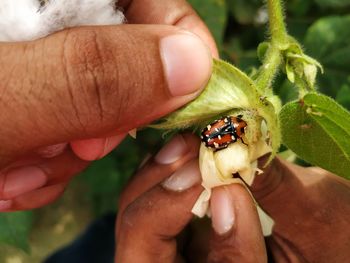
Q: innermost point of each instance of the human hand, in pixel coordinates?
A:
(92, 82)
(156, 207)
(311, 209)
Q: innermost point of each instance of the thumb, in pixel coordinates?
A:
(237, 236)
(86, 82)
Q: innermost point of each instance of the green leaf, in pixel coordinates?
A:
(333, 3)
(214, 14)
(318, 130)
(15, 229)
(328, 40)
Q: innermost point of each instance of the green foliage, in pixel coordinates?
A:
(333, 3)
(15, 228)
(106, 178)
(328, 40)
(318, 130)
(245, 12)
(214, 14)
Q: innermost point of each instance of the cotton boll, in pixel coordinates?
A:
(19, 19)
(22, 20)
(59, 14)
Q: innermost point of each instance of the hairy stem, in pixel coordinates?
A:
(276, 21)
(273, 58)
(268, 70)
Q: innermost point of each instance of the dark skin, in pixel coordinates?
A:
(34, 79)
(310, 207)
(69, 98)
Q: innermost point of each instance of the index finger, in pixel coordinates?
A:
(168, 12)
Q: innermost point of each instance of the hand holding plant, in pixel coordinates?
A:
(308, 126)
(309, 206)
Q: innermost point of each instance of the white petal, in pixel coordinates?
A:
(211, 178)
(201, 206)
(210, 174)
(248, 175)
(266, 222)
(133, 133)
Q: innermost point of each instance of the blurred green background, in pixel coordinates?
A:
(322, 26)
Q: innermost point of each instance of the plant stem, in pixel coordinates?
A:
(268, 69)
(273, 58)
(276, 21)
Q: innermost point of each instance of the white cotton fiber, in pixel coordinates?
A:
(22, 20)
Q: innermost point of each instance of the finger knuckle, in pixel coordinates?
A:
(130, 218)
(91, 74)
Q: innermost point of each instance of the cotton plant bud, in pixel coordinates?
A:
(300, 68)
(231, 154)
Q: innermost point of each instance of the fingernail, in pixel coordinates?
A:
(52, 150)
(88, 150)
(184, 178)
(172, 151)
(222, 210)
(5, 205)
(187, 63)
(111, 143)
(94, 149)
(23, 180)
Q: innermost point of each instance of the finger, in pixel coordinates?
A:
(94, 149)
(83, 83)
(282, 180)
(169, 12)
(150, 224)
(52, 150)
(180, 150)
(34, 173)
(322, 172)
(306, 206)
(237, 236)
(34, 199)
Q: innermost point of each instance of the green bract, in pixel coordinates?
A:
(229, 92)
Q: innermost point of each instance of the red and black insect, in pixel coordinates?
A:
(222, 132)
